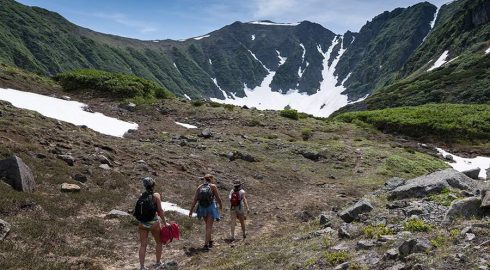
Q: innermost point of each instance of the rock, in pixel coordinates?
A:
(170, 265)
(432, 183)
(66, 98)
(325, 220)
(485, 199)
(70, 160)
(128, 106)
(469, 236)
(104, 167)
(17, 174)
(65, 187)
(239, 155)
(466, 230)
(391, 254)
(386, 238)
(206, 133)
(449, 158)
(488, 174)
(414, 246)
(352, 213)
(464, 208)
(342, 266)
(341, 247)
(116, 214)
(348, 230)
(398, 266)
(4, 229)
(104, 160)
(393, 183)
(365, 244)
(304, 216)
(80, 178)
(397, 204)
(472, 173)
(311, 155)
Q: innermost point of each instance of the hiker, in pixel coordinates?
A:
(238, 202)
(148, 211)
(206, 196)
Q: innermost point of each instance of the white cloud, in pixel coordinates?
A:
(123, 19)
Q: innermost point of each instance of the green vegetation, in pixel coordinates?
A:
(375, 231)
(290, 113)
(112, 84)
(334, 258)
(306, 133)
(416, 225)
(408, 165)
(442, 121)
(198, 103)
(445, 197)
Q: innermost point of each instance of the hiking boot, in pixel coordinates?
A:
(205, 248)
(244, 236)
(210, 244)
(157, 265)
(143, 268)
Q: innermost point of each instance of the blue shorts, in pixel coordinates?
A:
(211, 210)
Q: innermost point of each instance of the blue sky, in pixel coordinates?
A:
(180, 19)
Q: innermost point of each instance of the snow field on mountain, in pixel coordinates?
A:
(67, 111)
(324, 102)
(463, 164)
(440, 61)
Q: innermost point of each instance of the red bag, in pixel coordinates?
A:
(169, 233)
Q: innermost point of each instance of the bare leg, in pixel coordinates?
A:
(143, 233)
(242, 222)
(232, 223)
(209, 229)
(155, 230)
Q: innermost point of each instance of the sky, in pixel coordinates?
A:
(181, 19)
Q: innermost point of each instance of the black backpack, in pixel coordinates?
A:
(145, 208)
(205, 196)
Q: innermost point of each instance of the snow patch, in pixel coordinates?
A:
(252, 37)
(463, 164)
(325, 101)
(210, 62)
(440, 61)
(185, 125)
(282, 60)
(187, 97)
(201, 37)
(487, 51)
(346, 78)
(255, 57)
(172, 207)
(433, 22)
(67, 111)
(273, 23)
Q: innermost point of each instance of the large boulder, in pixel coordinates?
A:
(4, 229)
(485, 199)
(66, 187)
(393, 183)
(352, 213)
(432, 183)
(116, 214)
(17, 174)
(414, 246)
(472, 173)
(464, 208)
(70, 160)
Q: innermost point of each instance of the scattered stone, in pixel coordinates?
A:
(348, 230)
(432, 183)
(469, 236)
(239, 155)
(341, 247)
(485, 199)
(66, 98)
(386, 238)
(65, 187)
(311, 155)
(41, 156)
(4, 229)
(352, 213)
(80, 178)
(104, 167)
(70, 160)
(365, 244)
(343, 266)
(128, 106)
(116, 214)
(472, 173)
(466, 208)
(17, 174)
(170, 265)
(104, 160)
(466, 230)
(393, 183)
(206, 133)
(325, 220)
(397, 204)
(414, 246)
(398, 266)
(391, 254)
(304, 216)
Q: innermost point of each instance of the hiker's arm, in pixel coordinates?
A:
(216, 195)
(194, 201)
(246, 202)
(160, 209)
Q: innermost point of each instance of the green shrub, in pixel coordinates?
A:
(229, 107)
(289, 113)
(375, 231)
(416, 225)
(334, 258)
(197, 103)
(306, 133)
(115, 85)
(215, 104)
(446, 197)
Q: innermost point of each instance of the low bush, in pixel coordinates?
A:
(334, 258)
(116, 85)
(375, 231)
(416, 225)
(306, 133)
(446, 197)
(290, 113)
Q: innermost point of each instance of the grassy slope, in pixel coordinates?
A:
(57, 230)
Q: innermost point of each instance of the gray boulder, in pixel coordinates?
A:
(472, 173)
(116, 214)
(485, 199)
(432, 183)
(464, 208)
(325, 220)
(170, 265)
(17, 174)
(206, 133)
(342, 266)
(352, 213)
(391, 254)
(65, 187)
(311, 155)
(365, 244)
(414, 246)
(4, 229)
(128, 106)
(70, 160)
(393, 183)
(348, 230)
